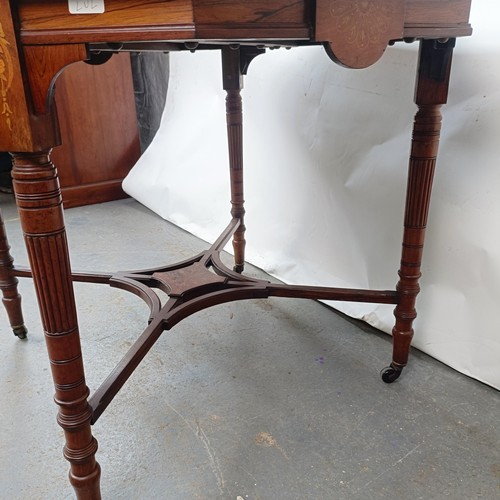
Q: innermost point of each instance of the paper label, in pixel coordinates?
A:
(86, 6)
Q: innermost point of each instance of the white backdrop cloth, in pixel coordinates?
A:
(326, 154)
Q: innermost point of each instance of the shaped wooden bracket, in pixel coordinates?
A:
(28, 121)
(43, 66)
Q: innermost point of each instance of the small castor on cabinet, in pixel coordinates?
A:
(20, 332)
(391, 373)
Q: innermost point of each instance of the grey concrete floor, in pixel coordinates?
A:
(269, 399)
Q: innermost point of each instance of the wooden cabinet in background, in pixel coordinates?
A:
(99, 130)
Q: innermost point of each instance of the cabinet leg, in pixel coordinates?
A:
(8, 284)
(431, 93)
(233, 83)
(40, 208)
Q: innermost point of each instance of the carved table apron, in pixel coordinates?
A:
(38, 39)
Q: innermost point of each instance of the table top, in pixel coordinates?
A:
(362, 21)
(38, 38)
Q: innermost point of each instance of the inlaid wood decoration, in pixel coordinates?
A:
(6, 77)
(358, 31)
(41, 38)
(14, 123)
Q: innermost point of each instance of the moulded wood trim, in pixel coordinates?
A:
(89, 194)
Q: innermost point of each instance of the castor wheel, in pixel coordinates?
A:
(390, 374)
(20, 331)
(238, 268)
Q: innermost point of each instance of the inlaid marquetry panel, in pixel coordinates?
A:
(358, 31)
(15, 133)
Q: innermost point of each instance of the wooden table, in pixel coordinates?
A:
(39, 38)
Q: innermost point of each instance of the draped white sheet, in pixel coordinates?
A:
(326, 154)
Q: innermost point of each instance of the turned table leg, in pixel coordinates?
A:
(233, 83)
(8, 284)
(40, 208)
(431, 92)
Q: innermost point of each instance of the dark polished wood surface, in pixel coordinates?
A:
(39, 38)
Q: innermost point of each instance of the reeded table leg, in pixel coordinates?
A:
(8, 284)
(40, 208)
(233, 83)
(431, 93)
